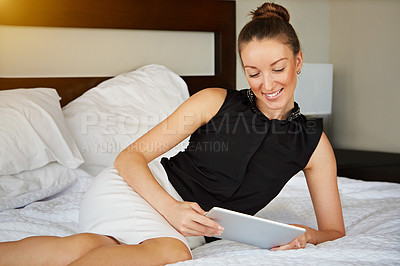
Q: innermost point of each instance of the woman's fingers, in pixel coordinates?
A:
(295, 244)
(190, 232)
(211, 227)
(190, 220)
(206, 226)
(209, 224)
(196, 229)
(197, 208)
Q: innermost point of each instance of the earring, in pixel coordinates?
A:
(299, 71)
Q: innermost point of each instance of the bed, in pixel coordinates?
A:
(40, 194)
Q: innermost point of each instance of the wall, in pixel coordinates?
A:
(365, 39)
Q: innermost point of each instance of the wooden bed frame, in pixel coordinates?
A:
(175, 15)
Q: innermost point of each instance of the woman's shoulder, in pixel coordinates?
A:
(219, 95)
(213, 98)
(207, 102)
(213, 94)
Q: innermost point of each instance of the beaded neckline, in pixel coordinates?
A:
(295, 112)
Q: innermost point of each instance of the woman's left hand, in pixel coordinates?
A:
(300, 241)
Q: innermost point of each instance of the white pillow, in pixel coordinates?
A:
(26, 187)
(109, 117)
(33, 131)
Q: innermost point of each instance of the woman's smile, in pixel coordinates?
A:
(274, 95)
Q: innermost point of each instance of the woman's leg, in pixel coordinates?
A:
(51, 250)
(91, 249)
(157, 251)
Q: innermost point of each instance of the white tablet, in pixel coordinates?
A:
(253, 230)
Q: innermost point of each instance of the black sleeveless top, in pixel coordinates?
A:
(240, 159)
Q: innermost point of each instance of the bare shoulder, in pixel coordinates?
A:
(211, 95)
(207, 102)
(323, 155)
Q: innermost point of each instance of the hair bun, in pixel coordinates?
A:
(271, 10)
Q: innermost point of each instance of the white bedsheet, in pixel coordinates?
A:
(371, 214)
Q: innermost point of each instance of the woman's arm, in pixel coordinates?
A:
(322, 183)
(188, 218)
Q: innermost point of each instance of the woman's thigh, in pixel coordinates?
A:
(51, 250)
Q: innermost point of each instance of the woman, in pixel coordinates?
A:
(244, 146)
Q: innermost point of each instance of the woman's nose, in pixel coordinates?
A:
(268, 83)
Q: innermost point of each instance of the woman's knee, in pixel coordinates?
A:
(75, 246)
(169, 250)
(86, 242)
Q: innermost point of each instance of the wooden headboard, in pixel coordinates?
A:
(174, 15)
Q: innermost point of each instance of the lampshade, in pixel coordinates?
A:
(314, 89)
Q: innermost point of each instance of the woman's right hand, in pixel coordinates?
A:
(189, 219)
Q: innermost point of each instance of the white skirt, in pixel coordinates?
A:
(111, 207)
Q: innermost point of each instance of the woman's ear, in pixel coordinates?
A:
(299, 60)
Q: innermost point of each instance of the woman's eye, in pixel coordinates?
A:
(253, 75)
(278, 70)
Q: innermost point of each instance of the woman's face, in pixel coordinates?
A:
(270, 68)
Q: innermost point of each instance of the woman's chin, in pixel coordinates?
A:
(277, 107)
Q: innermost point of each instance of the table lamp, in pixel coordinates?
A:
(314, 91)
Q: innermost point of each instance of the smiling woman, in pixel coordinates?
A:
(240, 159)
(270, 54)
(271, 57)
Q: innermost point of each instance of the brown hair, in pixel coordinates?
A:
(270, 21)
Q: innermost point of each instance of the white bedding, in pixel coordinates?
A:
(371, 214)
